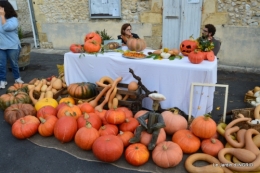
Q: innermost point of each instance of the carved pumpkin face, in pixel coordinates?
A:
(188, 46)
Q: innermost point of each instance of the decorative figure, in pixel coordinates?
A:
(154, 124)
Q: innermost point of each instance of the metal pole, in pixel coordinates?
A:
(33, 27)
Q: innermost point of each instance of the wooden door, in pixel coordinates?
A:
(181, 19)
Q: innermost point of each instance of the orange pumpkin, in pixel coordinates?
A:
(67, 100)
(203, 126)
(46, 110)
(188, 142)
(130, 124)
(210, 56)
(211, 146)
(127, 111)
(92, 46)
(167, 154)
(91, 118)
(140, 113)
(134, 44)
(65, 129)
(93, 36)
(69, 110)
(196, 57)
(102, 116)
(25, 127)
(115, 116)
(108, 129)
(187, 46)
(84, 141)
(108, 148)
(173, 122)
(137, 154)
(86, 108)
(46, 127)
(125, 137)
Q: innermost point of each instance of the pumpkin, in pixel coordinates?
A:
(18, 87)
(86, 136)
(188, 142)
(108, 148)
(114, 116)
(93, 36)
(196, 57)
(211, 146)
(45, 102)
(203, 127)
(140, 113)
(127, 111)
(91, 118)
(67, 100)
(76, 48)
(210, 56)
(173, 122)
(130, 124)
(46, 110)
(125, 137)
(8, 99)
(147, 137)
(65, 129)
(46, 127)
(69, 110)
(16, 111)
(86, 108)
(60, 105)
(134, 44)
(108, 129)
(25, 127)
(102, 116)
(137, 154)
(82, 90)
(92, 46)
(187, 46)
(167, 154)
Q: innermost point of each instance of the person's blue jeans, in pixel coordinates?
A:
(11, 55)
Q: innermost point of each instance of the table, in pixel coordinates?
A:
(172, 78)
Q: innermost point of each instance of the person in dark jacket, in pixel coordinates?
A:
(208, 32)
(126, 33)
(9, 42)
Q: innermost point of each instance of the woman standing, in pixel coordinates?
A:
(9, 42)
(126, 33)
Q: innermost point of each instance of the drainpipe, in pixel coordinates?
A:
(35, 35)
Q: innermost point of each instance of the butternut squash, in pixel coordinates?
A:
(257, 112)
(249, 141)
(38, 87)
(44, 87)
(53, 79)
(57, 84)
(98, 97)
(49, 94)
(111, 97)
(36, 82)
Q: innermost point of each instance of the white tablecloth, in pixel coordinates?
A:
(171, 78)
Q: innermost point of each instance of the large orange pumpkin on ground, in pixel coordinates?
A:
(46, 128)
(69, 110)
(137, 154)
(134, 44)
(167, 154)
(203, 126)
(188, 142)
(125, 137)
(108, 148)
(147, 137)
(92, 118)
(65, 129)
(211, 146)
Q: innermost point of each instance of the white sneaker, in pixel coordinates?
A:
(3, 84)
(18, 80)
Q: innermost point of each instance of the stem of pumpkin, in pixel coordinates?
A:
(22, 121)
(88, 124)
(207, 116)
(213, 140)
(42, 120)
(86, 115)
(165, 147)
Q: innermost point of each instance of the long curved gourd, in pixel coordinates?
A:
(203, 169)
(95, 101)
(240, 142)
(238, 120)
(249, 141)
(257, 112)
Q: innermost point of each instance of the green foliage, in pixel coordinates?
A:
(204, 44)
(20, 33)
(104, 35)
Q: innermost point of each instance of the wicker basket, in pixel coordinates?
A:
(248, 113)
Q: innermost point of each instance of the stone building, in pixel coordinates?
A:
(62, 22)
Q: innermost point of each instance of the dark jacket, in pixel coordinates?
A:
(134, 36)
(217, 44)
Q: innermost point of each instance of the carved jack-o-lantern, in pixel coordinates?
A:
(188, 46)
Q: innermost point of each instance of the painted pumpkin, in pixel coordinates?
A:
(137, 154)
(93, 36)
(16, 111)
(203, 126)
(196, 57)
(8, 99)
(137, 45)
(82, 90)
(187, 46)
(108, 148)
(92, 46)
(25, 127)
(167, 154)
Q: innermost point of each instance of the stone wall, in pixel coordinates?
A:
(24, 16)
